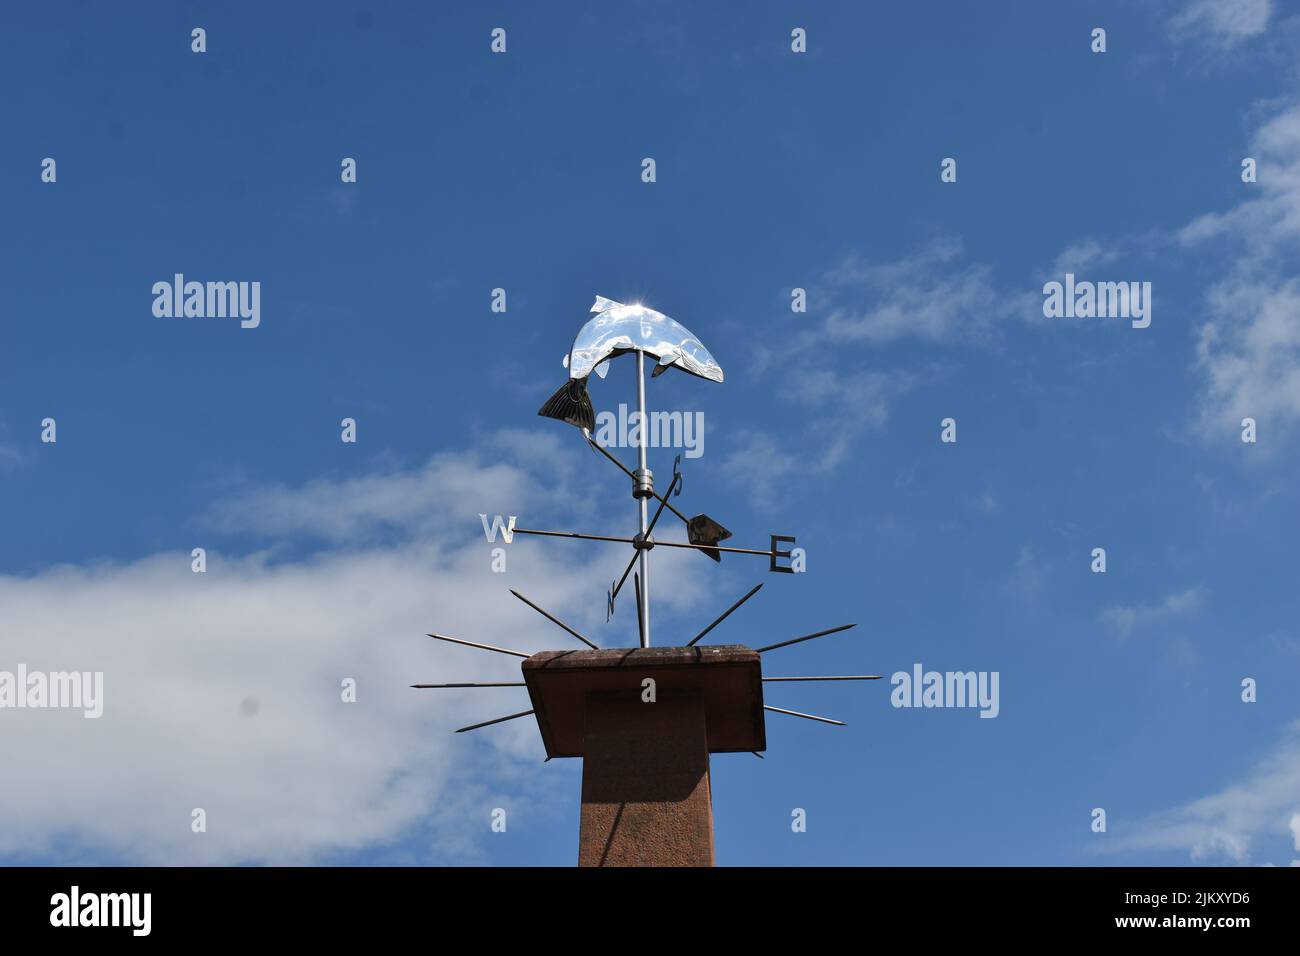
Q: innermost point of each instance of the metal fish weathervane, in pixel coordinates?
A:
(618, 329)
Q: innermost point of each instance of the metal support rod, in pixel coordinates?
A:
(653, 521)
(643, 445)
(495, 684)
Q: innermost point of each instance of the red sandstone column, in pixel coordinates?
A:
(645, 782)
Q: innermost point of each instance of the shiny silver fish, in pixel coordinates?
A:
(617, 330)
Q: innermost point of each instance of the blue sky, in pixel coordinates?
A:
(774, 170)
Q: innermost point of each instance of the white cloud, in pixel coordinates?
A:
(928, 295)
(222, 690)
(1221, 22)
(841, 405)
(1126, 620)
(1082, 255)
(1028, 575)
(1226, 825)
(1249, 348)
(427, 500)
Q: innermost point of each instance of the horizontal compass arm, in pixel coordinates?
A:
(723, 616)
(795, 713)
(553, 619)
(494, 720)
(482, 647)
(499, 684)
(806, 637)
(658, 544)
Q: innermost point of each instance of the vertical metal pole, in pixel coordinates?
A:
(643, 444)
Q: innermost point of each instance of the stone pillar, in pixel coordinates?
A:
(646, 798)
(645, 782)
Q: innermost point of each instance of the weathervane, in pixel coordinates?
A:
(577, 695)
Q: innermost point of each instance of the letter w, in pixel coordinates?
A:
(507, 529)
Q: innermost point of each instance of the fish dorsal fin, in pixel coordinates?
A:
(603, 304)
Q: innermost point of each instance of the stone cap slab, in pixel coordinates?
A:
(729, 677)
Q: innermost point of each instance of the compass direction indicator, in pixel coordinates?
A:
(644, 720)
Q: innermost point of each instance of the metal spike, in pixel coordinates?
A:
(495, 720)
(795, 713)
(640, 621)
(857, 677)
(723, 616)
(553, 619)
(806, 637)
(484, 647)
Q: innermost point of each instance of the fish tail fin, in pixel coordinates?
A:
(571, 403)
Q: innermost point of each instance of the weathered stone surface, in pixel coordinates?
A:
(645, 784)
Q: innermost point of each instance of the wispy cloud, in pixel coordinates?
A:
(1027, 576)
(1249, 348)
(1126, 620)
(1082, 255)
(931, 295)
(1221, 23)
(497, 476)
(1225, 826)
